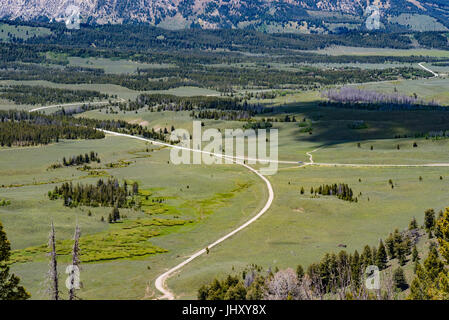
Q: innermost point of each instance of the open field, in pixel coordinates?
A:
(215, 207)
(386, 152)
(299, 229)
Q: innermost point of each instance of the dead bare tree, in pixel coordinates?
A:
(344, 279)
(283, 285)
(306, 291)
(75, 263)
(53, 289)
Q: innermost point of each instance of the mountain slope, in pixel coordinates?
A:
(271, 15)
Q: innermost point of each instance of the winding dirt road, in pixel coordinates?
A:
(160, 282)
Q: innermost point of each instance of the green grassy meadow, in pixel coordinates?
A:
(188, 198)
(299, 229)
(202, 203)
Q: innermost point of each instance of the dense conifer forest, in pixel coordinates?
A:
(40, 95)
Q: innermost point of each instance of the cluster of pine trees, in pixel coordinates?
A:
(432, 276)
(222, 115)
(175, 103)
(341, 191)
(400, 247)
(255, 125)
(237, 112)
(104, 193)
(114, 216)
(81, 159)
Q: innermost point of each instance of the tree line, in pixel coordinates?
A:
(104, 193)
(20, 128)
(38, 53)
(80, 159)
(146, 37)
(33, 95)
(224, 79)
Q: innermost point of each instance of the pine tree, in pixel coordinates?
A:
(9, 283)
(418, 290)
(431, 279)
(443, 234)
(115, 214)
(374, 254)
(356, 269)
(433, 264)
(300, 273)
(399, 279)
(389, 242)
(381, 259)
(429, 221)
(415, 254)
(366, 257)
(413, 224)
(135, 188)
(401, 253)
(397, 237)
